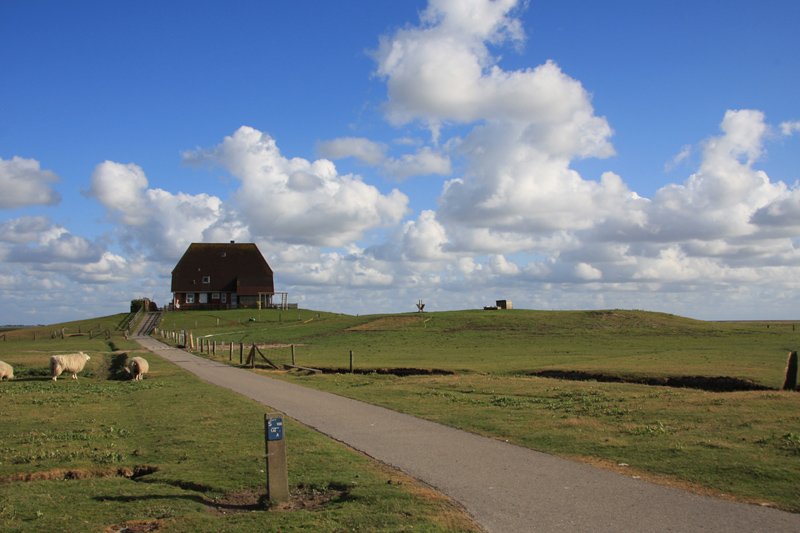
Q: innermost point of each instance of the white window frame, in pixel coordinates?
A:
(189, 298)
(206, 280)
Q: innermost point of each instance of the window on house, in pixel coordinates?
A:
(224, 297)
(215, 296)
(203, 298)
(190, 298)
(206, 279)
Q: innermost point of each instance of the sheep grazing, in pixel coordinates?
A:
(6, 371)
(137, 367)
(70, 363)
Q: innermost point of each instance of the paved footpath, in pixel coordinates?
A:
(505, 487)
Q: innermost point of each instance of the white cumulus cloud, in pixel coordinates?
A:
(24, 183)
(790, 127)
(299, 201)
(366, 151)
(37, 240)
(424, 239)
(442, 71)
(425, 161)
(587, 272)
(527, 126)
(120, 188)
(782, 214)
(719, 199)
(162, 222)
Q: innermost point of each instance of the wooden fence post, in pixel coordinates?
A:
(351, 361)
(241, 352)
(292, 353)
(790, 382)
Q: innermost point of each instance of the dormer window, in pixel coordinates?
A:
(206, 279)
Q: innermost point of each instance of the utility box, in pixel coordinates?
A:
(504, 304)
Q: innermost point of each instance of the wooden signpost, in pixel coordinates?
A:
(275, 446)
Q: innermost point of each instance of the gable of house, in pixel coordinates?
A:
(235, 268)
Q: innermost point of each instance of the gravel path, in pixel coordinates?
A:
(505, 487)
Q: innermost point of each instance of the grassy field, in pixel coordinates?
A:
(512, 342)
(743, 444)
(172, 453)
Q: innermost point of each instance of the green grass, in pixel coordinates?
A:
(203, 450)
(93, 327)
(742, 444)
(511, 342)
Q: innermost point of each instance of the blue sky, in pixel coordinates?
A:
(563, 155)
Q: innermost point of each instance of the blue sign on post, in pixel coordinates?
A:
(275, 429)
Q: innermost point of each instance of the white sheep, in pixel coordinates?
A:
(137, 367)
(6, 371)
(71, 363)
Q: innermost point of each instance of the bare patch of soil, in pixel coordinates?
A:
(401, 372)
(237, 502)
(135, 526)
(313, 498)
(706, 383)
(301, 498)
(60, 474)
(389, 323)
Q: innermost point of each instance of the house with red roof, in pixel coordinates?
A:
(222, 276)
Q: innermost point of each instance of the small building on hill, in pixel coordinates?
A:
(223, 276)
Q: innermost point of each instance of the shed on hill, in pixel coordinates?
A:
(222, 276)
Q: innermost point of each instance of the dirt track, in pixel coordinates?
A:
(505, 487)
